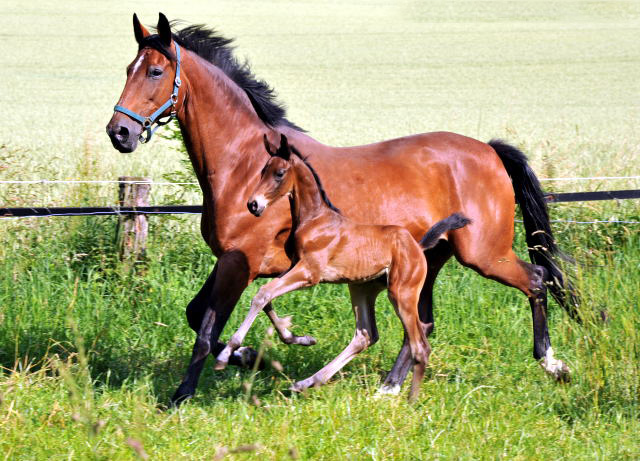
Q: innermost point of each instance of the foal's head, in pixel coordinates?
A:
(276, 178)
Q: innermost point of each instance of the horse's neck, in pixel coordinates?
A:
(307, 203)
(220, 128)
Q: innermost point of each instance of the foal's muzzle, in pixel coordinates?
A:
(254, 208)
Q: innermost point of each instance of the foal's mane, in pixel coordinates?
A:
(323, 194)
(218, 50)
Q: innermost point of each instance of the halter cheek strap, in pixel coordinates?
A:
(147, 122)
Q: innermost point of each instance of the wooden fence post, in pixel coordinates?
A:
(133, 228)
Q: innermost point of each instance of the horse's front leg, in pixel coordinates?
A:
(195, 312)
(298, 277)
(232, 275)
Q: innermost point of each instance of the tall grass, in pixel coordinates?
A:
(92, 354)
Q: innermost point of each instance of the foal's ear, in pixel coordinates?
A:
(164, 30)
(267, 145)
(284, 150)
(138, 29)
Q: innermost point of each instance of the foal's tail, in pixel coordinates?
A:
(455, 221)
(543, 250)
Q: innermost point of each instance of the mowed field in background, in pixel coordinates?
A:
(92, 353)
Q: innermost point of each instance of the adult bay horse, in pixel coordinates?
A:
(413, 182)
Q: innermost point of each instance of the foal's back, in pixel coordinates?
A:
(363, 252)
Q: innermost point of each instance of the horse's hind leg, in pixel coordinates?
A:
(363, 298)
(531, 280)
(436, 258)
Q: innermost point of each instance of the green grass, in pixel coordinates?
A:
(91, 354)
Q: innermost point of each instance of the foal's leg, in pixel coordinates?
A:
(405, 301)
(363, 298)
(282, 326)
(436, 258)
(298, 277)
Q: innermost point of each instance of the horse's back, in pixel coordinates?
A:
(414, 181)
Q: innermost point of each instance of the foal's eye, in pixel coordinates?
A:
(155, 72)
(279, 174)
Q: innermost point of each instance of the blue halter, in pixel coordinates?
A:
(147, 122)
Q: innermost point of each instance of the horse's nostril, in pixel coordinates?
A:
(123, 133)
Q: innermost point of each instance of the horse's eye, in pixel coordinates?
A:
(155, 72)
(279, 174)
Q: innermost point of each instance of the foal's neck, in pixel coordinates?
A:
(306, 201)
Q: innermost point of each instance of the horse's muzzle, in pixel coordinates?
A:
(124, 134)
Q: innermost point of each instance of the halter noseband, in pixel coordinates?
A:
(146, 122)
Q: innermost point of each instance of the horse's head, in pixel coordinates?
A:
(276, 178)
(152, 84)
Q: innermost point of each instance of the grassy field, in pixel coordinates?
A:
(91, 353)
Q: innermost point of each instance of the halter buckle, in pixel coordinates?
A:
(178, 82)
(174, 99)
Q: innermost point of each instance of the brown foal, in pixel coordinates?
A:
(329, 247)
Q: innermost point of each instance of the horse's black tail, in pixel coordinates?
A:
(454, 221)
(543, 250)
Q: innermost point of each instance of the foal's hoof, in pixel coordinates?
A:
(220, 365)
(302, 386)
(305, 340)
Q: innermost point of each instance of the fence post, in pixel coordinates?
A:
(133, 228)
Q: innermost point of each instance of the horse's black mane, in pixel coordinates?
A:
(218, 50)
(323, 194)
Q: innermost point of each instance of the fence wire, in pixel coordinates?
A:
(166, 183)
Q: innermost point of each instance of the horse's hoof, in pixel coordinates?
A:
(180, 397)
(564, 374)
(245, 357)
(387, 389)
(555, 368)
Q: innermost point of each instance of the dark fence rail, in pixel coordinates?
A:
(196, 209)
(96, 211)
(592, 196)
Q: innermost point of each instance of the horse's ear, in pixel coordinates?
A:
(267, 145)
(164, 30)
(138, 29)
(284, 151)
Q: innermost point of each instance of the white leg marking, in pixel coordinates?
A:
(554, 367)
